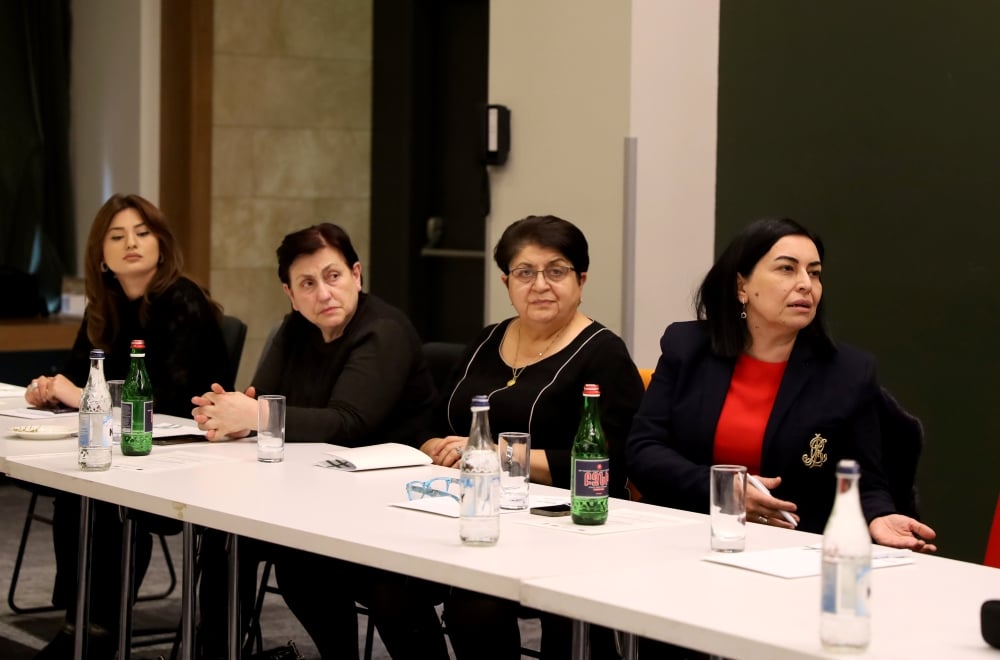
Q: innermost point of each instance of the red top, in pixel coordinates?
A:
(739, 434)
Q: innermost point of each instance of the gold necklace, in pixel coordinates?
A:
(515, 372)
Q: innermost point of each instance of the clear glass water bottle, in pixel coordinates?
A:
(94, 436)
(479, 512)
(590, 464)
(845, 619)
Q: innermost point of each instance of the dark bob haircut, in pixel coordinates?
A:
(311, 240)
(545, 231)
(716, 301)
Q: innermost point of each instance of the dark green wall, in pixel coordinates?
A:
(877, 125)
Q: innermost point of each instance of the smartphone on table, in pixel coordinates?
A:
(553, 510)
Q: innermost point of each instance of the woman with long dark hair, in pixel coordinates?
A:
(135, 290)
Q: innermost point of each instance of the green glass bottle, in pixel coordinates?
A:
(590, 465)
(137, 405)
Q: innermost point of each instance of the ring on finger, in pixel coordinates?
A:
(762, 520)
(458, 450)
(34, 385)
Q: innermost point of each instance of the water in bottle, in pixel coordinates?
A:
(137, 405)
(95, 418)
(589, 484)
(479, 511)
(845, 620)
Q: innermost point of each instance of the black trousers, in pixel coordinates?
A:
(106, 556)
(322, 593)
(485, 627)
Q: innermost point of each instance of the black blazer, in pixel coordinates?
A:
(825, 411)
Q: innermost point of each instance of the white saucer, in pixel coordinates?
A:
(41, 432)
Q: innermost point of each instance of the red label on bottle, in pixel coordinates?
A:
(591, 477)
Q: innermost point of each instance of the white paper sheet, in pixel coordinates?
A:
(172, 430)
(35, 413)
(165, 460)
(619, 520)
(376, 457)
(446, 506)
(11, 391)
(801, 561)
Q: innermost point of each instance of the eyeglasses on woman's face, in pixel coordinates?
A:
(436, 487)
(551, 274)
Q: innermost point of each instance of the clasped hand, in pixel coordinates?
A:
(51, 391)
(445, 451)
(225, 415)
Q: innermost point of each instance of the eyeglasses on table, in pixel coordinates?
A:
(436, 487)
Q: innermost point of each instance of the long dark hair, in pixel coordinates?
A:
(104, 292)
(716, 301)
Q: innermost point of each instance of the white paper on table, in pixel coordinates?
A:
(167, 460)
(619, 520)
(447, 506)
(376, 457)
(10, 391)
(35, 413)
(172, 430)
(801, 561)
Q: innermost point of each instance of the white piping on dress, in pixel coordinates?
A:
(556, 375)
(540, 392)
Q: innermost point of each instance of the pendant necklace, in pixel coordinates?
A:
(515, 372)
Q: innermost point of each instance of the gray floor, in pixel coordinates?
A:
(22, 635)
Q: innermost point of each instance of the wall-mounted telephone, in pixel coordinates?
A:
(497, 134)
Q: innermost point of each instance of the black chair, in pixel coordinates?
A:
(234, 335)
(442, 358)
(33, 516)
(902, 444)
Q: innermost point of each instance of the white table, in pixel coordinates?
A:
(12, 447)
(651, 583)
(928, 609)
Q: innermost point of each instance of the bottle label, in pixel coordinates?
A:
(137, 417)
(591, 477)
(846, 586)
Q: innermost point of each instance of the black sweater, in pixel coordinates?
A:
(185, 352)
(368, 386)
(547, 399)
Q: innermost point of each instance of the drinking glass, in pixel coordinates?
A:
(115, 387)
(270, 428)
(728, 511)
(515, 469)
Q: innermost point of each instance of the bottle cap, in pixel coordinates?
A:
(138, 343)
(96, 354)
(480, 401)
(590, 389)
(848, 467)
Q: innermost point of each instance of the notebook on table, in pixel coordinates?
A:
(376, 457)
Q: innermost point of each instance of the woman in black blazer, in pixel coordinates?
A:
(757, 381)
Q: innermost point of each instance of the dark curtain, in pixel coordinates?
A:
(37, 234)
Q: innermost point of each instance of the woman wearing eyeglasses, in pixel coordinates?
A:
(533, 367)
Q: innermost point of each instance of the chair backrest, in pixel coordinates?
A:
(993, 543)
(234, 335)
(902, 443)
(442, 357)
(633, 492)
(646, 375)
